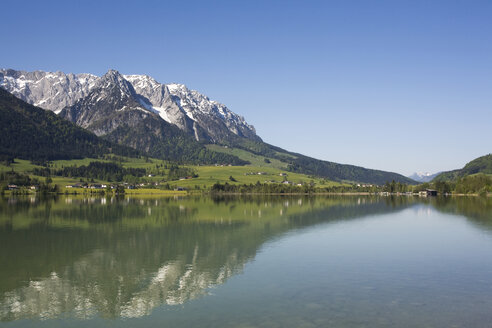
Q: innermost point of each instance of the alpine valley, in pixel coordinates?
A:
(167, 121)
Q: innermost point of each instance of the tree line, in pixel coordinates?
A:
(95, 170)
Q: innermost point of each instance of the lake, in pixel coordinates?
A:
(292, 261)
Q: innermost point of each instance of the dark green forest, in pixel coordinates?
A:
(29, 132)
(169, 143)
(95, 170)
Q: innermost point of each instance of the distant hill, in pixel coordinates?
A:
(29, 132)
(481, 164)
(299, 163)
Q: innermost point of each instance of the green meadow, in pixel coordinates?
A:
(258, 171)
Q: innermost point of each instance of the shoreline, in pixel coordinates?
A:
(159, 192)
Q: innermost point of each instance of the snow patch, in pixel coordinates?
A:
(196, 132)
(161, 111)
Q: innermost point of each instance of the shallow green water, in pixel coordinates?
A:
(246, 262)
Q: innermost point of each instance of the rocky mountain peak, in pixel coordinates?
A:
(85, 94)
(114, 80)
(48, 90)
(142, 81)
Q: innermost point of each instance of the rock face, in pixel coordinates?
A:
(114, 110)
(110, 103)
(47, 90)
(101, 103)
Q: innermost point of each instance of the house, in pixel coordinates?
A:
(431, 192)
(77, 185)
(96, 186)
(12, 187)
(428, 192)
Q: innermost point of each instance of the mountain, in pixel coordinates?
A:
(204, 119)
(30, 132)
(423, 177)
(191, 111)
(114, 110)
(166, 120)
(481, 164)
(48, 90)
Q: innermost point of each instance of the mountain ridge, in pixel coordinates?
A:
(192, 112)
(172, 122)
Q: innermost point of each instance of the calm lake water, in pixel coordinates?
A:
(246, 262)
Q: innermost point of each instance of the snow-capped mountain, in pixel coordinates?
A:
(423, 177)
(48, 90)
(192, 112)
(111, 103)
(114, 110)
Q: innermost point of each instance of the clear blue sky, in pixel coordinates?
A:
(402, 86)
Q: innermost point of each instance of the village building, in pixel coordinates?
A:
(428, 193)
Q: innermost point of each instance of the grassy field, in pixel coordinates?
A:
(19, 165)
(208, 175)
(255, 160)
(127, 162)
(258, 171)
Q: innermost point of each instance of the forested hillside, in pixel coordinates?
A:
(481, 164)
(29, 132)
(307, 165)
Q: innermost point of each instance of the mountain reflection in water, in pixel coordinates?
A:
(123, 257)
